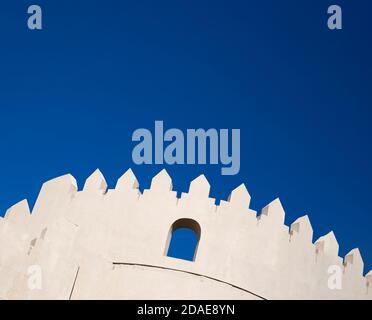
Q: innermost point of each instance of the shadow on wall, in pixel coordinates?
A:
(183, 239)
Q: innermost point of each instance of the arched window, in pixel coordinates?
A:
(183, 239)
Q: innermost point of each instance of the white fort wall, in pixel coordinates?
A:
(111, 244)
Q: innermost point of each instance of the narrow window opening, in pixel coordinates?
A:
(183, 239)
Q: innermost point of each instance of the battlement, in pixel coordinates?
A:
(112, 243)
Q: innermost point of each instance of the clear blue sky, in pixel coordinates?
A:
(72, 94)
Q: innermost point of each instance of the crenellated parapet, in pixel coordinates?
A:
(112, 243)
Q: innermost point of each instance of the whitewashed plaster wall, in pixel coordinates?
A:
(111, 244)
